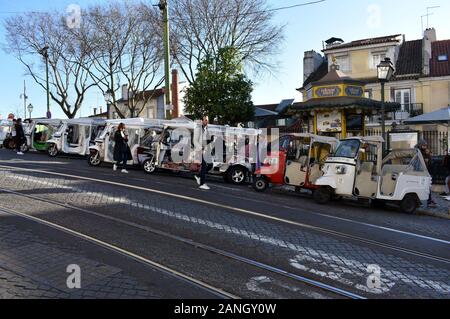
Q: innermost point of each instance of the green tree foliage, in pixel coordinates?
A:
(221, 90)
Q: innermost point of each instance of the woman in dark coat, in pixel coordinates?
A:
(121, 148)
(20, 136)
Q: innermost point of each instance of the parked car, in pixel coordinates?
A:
(75, 136)
(357, 170)
(298, 162)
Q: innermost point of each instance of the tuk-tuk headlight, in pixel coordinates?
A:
(341, 170)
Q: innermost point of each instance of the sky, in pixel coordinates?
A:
(305, 29)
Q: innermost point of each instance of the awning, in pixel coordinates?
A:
(439, 116)
(342, 103)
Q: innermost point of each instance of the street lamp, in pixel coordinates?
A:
(44, 53)
(108, 95)
(30, 109)
(385, 73)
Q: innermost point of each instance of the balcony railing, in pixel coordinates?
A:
(402, 113)
(406, 111)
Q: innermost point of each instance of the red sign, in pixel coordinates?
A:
(11, 116)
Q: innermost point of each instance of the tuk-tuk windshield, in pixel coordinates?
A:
(348, 149)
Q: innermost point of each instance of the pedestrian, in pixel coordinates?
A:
(428, 157)
(20, 136)
(446, 166)
(122, 151)
(202, 135)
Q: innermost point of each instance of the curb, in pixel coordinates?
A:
(434, 214)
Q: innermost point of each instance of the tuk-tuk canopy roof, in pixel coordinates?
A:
(6, 123)
(86, 121)
(139, 122)
(398, 154)
(367, 139)
(317, 138)
(229, 130)
(54, 122)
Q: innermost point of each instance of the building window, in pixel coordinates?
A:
(403, 97)
(368, 94)
(344, 63)
(150, 113)
(376, 60)
(443, 58)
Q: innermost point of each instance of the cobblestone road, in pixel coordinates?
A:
(324, 257)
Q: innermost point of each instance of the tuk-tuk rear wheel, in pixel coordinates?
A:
(237, 175)
(149, 166)
(52, 150)
(94, 159)
(323, 195)
(409, 204)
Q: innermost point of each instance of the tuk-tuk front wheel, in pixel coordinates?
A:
(149, 166)
(52, 150)
(409, 204)
(94, 159)
(260, 184)
(323, 195)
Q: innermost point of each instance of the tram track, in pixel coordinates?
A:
(338, 292)
(115, 249)
(322, 230)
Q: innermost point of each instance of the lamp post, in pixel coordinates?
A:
(44, 53)
(30, 109)
(385, 73)
(108, 99)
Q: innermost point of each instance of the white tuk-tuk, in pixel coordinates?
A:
(75, 136)
(357, 170)
(140, 132)
(5, 133)
(39, 131)
(234, 169)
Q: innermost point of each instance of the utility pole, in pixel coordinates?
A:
(164, 7)
(44, 52)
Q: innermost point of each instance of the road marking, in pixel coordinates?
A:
(121, 251)
(236, 209)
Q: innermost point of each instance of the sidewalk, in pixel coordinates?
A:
(442, 210)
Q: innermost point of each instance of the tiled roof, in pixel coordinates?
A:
(371, 41)
(409, 61)
(440, 68)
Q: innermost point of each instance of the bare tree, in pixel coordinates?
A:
(141, 62)
(125, 45)
(26, 37)
(203, 27)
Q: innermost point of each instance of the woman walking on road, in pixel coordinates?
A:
(19, 139)
(121, 149)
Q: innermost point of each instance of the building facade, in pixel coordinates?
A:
(422, 78)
